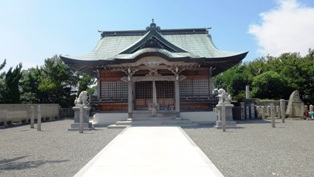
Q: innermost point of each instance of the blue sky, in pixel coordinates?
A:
(33, 30)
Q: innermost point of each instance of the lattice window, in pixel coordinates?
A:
(186, 88)
(143, 90)
(200, 87)
(194, 88)
(114, 90)
(165, 89)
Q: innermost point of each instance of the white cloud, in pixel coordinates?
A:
(287, 28)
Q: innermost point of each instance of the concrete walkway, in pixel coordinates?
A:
(150, 151)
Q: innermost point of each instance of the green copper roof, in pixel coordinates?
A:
(184, 44)
(196, 45)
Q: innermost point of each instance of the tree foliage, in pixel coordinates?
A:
(53, 82)
(271, 77)
(10, 91)
(269, 85)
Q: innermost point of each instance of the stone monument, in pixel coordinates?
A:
(295, 105)
(224, 97)
(81, 100)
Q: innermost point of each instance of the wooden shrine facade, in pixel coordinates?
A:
(155, 69)
(186, 84)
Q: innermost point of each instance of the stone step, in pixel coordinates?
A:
(139, 115)
(124, 122)
(163, 122)
(153, 121)
(115, 126)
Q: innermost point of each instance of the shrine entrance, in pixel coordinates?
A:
(144, 95)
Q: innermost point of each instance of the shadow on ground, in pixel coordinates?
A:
(17, 164)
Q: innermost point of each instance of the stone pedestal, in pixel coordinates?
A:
(252, 108)
(242, 111)
(86, 124)
(247, 111)
(229, 117)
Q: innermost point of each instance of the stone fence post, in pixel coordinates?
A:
(223, 116)
(272, 113)
(32, 116)
(278, 112)
(283, 110)
(39, 119)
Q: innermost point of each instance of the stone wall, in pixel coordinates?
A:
(266, 105)
(10, 113)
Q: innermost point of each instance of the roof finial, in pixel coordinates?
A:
(153, 26)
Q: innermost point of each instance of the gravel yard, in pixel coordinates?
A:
(253, 149)
(256, 149)
(52, 152)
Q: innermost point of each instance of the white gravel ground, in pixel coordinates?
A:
(253, 149)
(52, 152)
(257, 149)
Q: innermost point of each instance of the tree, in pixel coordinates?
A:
(29, 85)
(84, 82)
(269, 85)
(56, 82)
(11, 91)
(234, 81)
(295, 71)
(2, 83)
(53, 82)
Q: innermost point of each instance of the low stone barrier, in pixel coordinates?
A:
(21, 113)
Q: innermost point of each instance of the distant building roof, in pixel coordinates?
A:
(188, 44)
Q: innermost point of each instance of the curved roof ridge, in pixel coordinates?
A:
(153, 50)
(152, 34)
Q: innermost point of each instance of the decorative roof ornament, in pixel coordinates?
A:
(153, 26)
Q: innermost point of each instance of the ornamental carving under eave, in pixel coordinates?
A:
(153, 72)
(152, 63)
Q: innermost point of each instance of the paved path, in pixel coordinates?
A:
(150, 151)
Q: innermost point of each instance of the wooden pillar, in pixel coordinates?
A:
(130, 99)
(177, 97)
(154, 111)
(98, 86)
(210, 82)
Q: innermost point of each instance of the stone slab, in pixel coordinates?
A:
(153, 152)
(208, 117)
(86, 126)
(105, 119)
(229, 124)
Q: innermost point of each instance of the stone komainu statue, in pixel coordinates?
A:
(223, 96)
(81, 99)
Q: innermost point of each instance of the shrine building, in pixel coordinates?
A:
(157, 70)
